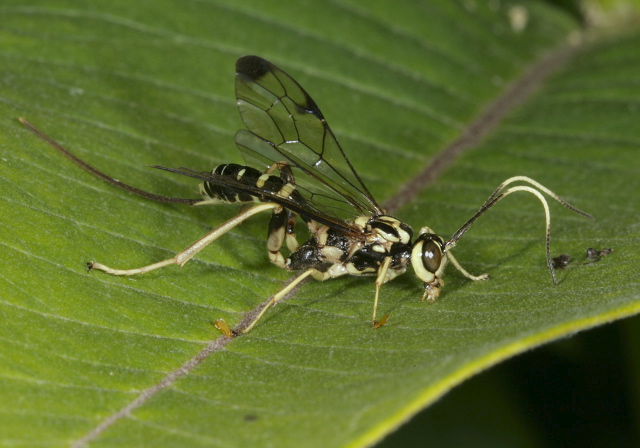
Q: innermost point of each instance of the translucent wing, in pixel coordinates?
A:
(301, 208)
(285, 124)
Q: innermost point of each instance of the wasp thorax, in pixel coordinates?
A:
(389, 229)
(428, 257)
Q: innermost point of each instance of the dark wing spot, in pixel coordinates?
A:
(253, 67)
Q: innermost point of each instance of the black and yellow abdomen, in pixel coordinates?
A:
(245, 175)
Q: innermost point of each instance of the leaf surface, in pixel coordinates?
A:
(109, 361)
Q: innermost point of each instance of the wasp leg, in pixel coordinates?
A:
(292, 241)
(282, 223)
(276, 236)
(464, 272)
(187, 254)
(287, 175)
(281, 228)
(382, 278)
(280, 295)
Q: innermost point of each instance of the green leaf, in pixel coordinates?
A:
(110, 361)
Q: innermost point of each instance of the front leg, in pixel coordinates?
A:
(380, 279)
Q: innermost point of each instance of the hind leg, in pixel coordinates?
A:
(187, 254)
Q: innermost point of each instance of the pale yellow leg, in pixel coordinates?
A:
(464, 271)
(279, 296)
(187, 254)
(382, 273)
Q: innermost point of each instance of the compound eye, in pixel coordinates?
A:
(431, 256)
(427, 257)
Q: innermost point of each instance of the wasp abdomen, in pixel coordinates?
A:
(245, 175)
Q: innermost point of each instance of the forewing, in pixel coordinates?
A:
(285, 124)
(265, 195)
